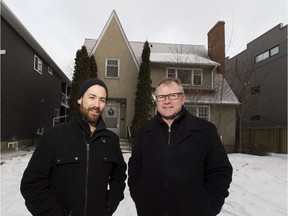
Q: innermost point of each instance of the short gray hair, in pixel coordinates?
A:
(167, 81)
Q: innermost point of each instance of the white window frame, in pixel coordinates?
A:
(208, 112)
(37, 64)
(201, 76)
(116, 66)
(174, 74)
(195, 110)
(50, 70)
(171, 73)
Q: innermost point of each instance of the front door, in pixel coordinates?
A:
(112, 116)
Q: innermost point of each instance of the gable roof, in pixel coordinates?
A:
(94, 47)
(9, 16)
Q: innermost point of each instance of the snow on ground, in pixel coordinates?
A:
(259, 186)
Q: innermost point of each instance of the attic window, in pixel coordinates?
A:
(37, 64)
(112, 68)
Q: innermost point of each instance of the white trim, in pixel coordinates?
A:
(192, 69)
(118, 68)
(190, 106)
(39, 65)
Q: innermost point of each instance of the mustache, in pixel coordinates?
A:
(97, 109)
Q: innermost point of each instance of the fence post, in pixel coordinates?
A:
(278, 140)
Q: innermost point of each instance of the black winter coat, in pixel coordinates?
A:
(181, 171)
(75, 173)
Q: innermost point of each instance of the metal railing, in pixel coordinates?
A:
(58, 118)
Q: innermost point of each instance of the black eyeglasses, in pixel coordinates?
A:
(173, 96)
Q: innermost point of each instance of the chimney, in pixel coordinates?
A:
(216, 45)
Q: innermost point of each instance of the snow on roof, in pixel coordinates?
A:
(89, 44)
(164, 52)
(180, 58)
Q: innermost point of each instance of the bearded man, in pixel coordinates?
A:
(78, 168)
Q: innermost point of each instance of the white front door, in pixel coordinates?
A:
(112, 116)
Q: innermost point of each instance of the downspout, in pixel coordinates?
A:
(212, 77)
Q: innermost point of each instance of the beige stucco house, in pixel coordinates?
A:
(207, 93)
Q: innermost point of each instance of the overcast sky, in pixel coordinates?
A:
(61, 26)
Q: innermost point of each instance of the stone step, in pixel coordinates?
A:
(125, 145)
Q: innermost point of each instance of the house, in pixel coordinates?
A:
(258, 77)
(207, 93)
(33, 88)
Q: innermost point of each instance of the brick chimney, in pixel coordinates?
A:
(216, 45)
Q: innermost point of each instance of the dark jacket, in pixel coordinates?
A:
(181, 171)
(74, 172)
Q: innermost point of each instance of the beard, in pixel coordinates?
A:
(91, 114)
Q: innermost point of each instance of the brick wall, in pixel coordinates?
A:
(216, 45)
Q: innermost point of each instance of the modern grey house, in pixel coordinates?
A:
(258, 77)
(33, 88)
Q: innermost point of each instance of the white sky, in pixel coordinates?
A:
(61, 26)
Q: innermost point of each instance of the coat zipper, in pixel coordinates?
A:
(169, 135)
(87, 171)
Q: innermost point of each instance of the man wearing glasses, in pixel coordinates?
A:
(178, 166)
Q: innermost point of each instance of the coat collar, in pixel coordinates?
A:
(188, 125)
(190, 121)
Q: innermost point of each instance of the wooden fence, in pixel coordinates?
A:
(273, 139)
